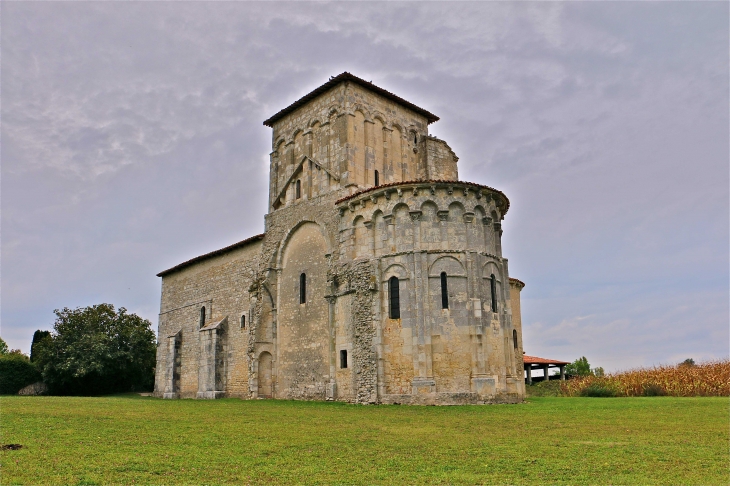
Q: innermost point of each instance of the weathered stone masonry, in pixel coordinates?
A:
(379, 278)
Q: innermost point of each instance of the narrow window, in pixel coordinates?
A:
(343, 358)
(303, 288)
(394, 307)
(514, 337)
(202, 316)
(493, 288)
(243, 321)
(444, 292)
(377, 178)
(299, 189)
(415, 138)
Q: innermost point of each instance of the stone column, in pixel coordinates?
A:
(331, 392)
(545, 369)
(528, 369)
(172, 351)
(562, 372)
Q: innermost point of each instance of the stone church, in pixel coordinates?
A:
(379, 278)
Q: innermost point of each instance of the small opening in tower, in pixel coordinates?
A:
(299, 189)
(303, 288)
(514, 337)
(377, 178)
(493, 288)
(444, 292)
(343, 358)
(202, 316)
(394, 298)
(415, 138)
(243, 321)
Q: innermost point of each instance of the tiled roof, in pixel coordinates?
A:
(535, 360)
(200, 258)
(432, 181)
(518, 282)
(334, 81)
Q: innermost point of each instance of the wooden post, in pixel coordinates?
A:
(528, 369)
(545, 369)
(562, 372)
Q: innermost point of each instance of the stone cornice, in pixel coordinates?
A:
(399, 188)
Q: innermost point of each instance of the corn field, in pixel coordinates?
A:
(709, 379)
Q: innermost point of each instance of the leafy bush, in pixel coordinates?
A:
(96, 350)
(544, 389)
(704, 379)
(654, 390)
(596, 390)
(16, 372)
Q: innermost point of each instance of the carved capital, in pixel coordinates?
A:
(498, 226)
(468, 217)
(443, 215)
(368, 224)
(388, 218)
(415, 215)
(486, 220)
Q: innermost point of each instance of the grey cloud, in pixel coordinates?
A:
(132, 140)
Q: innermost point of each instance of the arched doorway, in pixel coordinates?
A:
(265, 364)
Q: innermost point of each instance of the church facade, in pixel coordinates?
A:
(379, 278)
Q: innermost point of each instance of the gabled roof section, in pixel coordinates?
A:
(334, 81)
(212, 254)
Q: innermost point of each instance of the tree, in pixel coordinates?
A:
(95, 350)
(38, 336)
(3, 347)
(579, 367)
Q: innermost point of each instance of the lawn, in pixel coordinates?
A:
(126, 439)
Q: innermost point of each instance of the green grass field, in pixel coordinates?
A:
(125, 440)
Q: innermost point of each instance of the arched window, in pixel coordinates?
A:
(299, 189)
(243, 321)
(202, 316)
(303, 288)
(514, 337)
(444, 292)
(393, 298)
(377, 178)
(493, 288)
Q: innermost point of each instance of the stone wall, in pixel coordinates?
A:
(220, 284)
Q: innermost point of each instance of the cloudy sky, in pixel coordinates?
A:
(132, 140)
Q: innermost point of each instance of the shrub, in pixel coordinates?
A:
(654, 390)
(16, 372)
(597, 390)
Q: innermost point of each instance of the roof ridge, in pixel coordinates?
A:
(341, 78)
